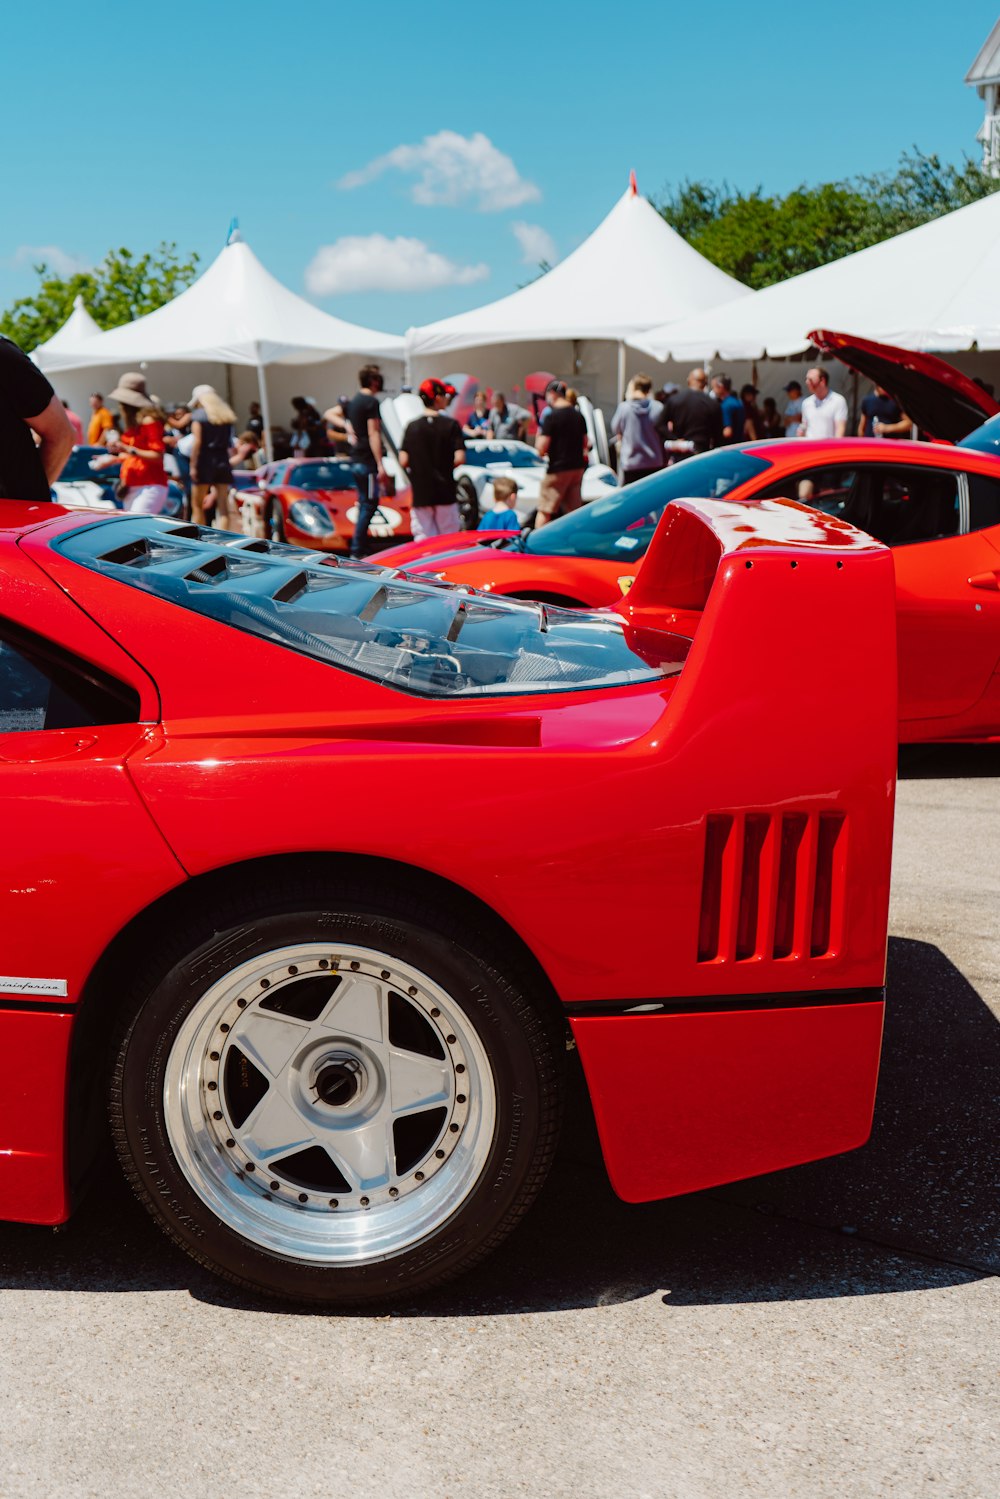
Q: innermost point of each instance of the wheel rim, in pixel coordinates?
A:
(333, 1106)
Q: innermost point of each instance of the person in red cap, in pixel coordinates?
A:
(433, 447)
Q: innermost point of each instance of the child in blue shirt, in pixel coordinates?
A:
(503, 517)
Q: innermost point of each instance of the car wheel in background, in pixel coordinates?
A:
(334, 1100)
(468, 503)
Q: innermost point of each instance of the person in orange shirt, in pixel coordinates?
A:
(101, 421)
(143, 482)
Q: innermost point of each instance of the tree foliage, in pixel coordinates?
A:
(123, 287)
(760, 238)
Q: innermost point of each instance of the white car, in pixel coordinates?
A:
(503, 457)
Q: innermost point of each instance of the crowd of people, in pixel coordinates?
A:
(654, 430)
(197, 442)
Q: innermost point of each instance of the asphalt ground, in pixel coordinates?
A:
(829, 1330)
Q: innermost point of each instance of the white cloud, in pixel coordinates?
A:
(62, 262)
(536, 243)
(373, 262)
(451, 168)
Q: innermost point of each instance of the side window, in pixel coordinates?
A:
(43, 688)
(911, 504)
(984, 501)
(830, 488)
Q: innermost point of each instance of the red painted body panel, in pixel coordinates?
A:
(684, 1102)
(600, 857)
(949, 630)
(35, 1050)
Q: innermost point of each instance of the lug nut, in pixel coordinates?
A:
(334, 1203)
(303, 1196)
(418, 1176)
(460, 1098)
(385, 973)
(439, 1154)
(217, 1114)
(275, 1186)
(265, 983)
(292, 968)
(393, 1191)
(231, 1144)
(241, 1003)
(453, 1128)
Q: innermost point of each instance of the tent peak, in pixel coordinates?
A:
(233, 235)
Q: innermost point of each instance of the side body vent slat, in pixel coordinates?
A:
(772, 886)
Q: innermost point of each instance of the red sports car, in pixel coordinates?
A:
(313, 502)
(937, 506)
(331, 1043)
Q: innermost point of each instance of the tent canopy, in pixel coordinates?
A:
(632, 272)
(935, 288)
(77, 328)
(236, 313)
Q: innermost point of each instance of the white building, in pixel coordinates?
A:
(984, 75)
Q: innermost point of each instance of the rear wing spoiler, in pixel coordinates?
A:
(787, 609)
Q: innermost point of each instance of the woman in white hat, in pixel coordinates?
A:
(143, 483)
(212, 423)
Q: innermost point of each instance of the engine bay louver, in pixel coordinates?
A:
(772, 886)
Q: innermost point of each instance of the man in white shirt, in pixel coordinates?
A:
(824, 412)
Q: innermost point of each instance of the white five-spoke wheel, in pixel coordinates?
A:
(336, 1106)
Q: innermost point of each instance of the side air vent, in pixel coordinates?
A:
(772, 886)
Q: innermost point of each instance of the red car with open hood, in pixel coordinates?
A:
(937, 506)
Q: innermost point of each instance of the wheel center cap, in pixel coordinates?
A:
(339, 1083)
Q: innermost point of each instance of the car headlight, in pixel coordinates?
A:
(310, 516)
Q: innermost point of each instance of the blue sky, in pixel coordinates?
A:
(399, 162)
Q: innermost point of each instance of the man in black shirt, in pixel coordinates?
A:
(564, 441)
(28, 404)
(365, 423)
(433, 447)
(691, 416)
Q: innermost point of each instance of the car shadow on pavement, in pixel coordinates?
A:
(931, 762)
(917, 1208)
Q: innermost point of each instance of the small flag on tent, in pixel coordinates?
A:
(233, 235)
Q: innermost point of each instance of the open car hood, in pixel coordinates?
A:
(945, 404)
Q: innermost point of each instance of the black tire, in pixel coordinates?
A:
(468, 503)
(504, 1163)
(275, 523)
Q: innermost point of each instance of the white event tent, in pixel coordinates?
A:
(233, 324)
(77, 328)
(935, 288)
(631, 273)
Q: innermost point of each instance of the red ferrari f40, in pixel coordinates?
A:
(329, 1024)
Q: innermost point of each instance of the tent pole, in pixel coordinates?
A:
(265, 411)
(620, 396)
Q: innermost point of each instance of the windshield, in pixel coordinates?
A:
(320, 476)
(509, 454)
(985, 439)
(622, 525)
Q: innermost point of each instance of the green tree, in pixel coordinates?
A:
(762, 239)
(123, 287)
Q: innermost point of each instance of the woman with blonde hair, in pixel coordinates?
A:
(212, 423)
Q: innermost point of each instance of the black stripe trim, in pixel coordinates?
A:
(795, 1000)
(43, 1006)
